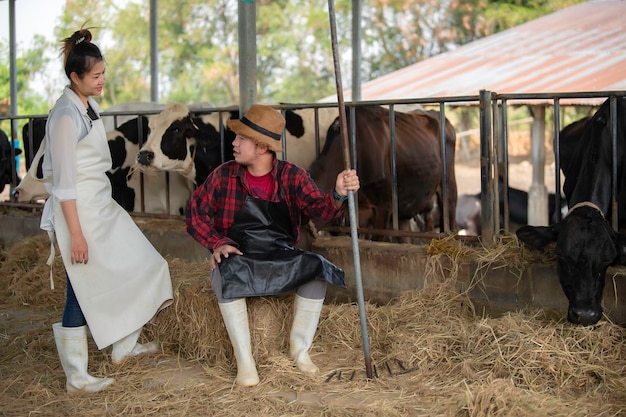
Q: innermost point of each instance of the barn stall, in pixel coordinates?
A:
(478, 345)
(456, 328)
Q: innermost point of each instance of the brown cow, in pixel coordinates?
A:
(419, 165)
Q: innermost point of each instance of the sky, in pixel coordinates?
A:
(37, 17)
(28, 23)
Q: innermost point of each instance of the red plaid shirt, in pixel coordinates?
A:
(213, 205)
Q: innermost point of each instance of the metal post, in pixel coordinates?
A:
(614, 159)
(247, 55)
(486, 175)
(154, 51)
(356, 50)
(13, 92)
(538, 192)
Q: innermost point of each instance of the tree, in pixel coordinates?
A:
(29, 65)
(198, 42)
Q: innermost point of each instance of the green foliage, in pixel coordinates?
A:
(30, 101)
(198, 57)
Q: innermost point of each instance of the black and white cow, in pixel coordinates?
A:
(154, 192)
(300, 143)
(186, 144)
(131, 190)
(192, 145)
(7, 162)
(586, 244)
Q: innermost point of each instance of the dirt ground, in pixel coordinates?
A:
(432, 355)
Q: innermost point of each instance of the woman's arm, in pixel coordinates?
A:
(79, 249)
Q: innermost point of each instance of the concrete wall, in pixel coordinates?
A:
(387, 270)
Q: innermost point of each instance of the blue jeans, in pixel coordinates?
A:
(72, 315)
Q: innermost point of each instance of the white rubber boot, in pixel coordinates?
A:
(128, 346)
(305, 319)
(72, 347)
(235, 315)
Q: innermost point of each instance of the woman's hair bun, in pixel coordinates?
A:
(80, 47)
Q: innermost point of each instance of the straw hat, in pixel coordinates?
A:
(262, 124)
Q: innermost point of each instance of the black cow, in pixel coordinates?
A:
(7, 162)
(33, 133)
(569, 137)
(586, 244)
(419, 165)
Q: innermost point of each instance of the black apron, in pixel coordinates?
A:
(270, 263)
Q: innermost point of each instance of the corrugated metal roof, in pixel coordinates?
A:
(578, 49)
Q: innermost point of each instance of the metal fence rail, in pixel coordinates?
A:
(493, 112)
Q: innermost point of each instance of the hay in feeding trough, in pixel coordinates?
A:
(519, 364)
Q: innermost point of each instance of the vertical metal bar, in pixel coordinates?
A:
(317, 131)
(13, 93)
(247, 55)
(356, 50)
(486, 180)
(154, 51)
(222, 125)
(445, 209)
(394, 169)
(557, 162)
(355, 159)
(283, 138)
(503, 163)
(495, 163)
(614, 181)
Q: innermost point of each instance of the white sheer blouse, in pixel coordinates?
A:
(68, 123)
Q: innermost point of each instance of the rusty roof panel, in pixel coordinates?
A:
(578, 49)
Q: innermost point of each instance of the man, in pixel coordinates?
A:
(248, 214)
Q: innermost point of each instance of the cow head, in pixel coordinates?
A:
(586, 246)
(168, 148)
(189, 145)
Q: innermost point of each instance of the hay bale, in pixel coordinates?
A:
(193, 326)
(27, 276)
(461, 363)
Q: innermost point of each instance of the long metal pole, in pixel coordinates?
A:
(351, 207)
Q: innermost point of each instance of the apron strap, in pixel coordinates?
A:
(50, 260)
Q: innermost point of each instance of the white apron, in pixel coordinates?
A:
(126, 281)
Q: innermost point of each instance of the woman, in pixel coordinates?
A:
(116, 280)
